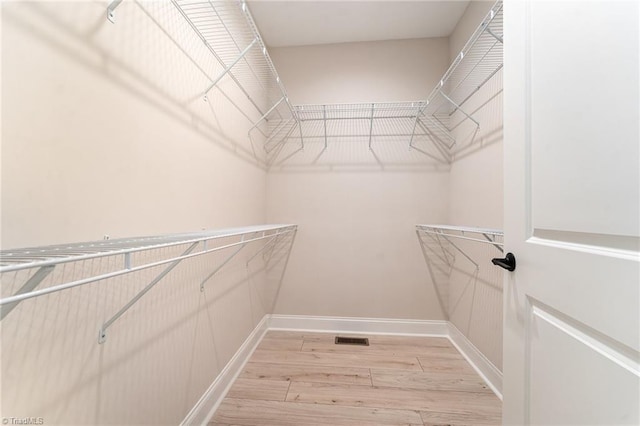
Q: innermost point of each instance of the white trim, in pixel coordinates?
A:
(206, 406)
(359, 325)
(485, 368)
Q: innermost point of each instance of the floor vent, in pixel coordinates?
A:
(362, 341)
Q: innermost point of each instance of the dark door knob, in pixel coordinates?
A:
(508, 262)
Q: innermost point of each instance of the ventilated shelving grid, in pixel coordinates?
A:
(168, 252)
(378, 126)
(480, 59)
(440, 246)
(228, 31)
(281, 130)
(425, 126)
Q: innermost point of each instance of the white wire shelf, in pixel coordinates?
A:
(374, 123)
(439, 248)
(424, 126)
(188, 245)
(279, 131)
(443, 236)
(228, 31)
(462, 232)
(36, 257)
(480, 59)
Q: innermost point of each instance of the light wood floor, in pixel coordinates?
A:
(298, 379)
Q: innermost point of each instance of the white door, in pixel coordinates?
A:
(572, 216)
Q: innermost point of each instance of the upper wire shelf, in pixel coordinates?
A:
(480, 59)
(278, 131)
(424, 126)
(229, 32)
(387, 122)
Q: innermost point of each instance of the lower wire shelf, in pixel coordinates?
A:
(43, 260)
(440, 245)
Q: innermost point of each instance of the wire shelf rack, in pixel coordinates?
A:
(229, 32)
(393, 122)
(381, 134)
(425, 126)
(482, 235)
(440, 245)
(280, 131)
(134, 254)
(480, 59)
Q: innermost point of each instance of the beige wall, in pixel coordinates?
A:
(475, 197)
(384, 71)
(356, 252)
(104, 131)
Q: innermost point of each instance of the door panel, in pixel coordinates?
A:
(572, 213)
(601, 371)
(585, 153)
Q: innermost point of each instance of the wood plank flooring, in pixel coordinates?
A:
(300, 379)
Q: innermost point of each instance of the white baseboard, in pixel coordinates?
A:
(206, 406)
(359, 325)
(485, 368)
(204, 409)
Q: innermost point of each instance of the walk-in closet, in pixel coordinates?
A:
(320, 212)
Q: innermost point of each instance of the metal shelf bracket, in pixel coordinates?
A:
(102, 335)
(31, 284)
(227, 260)
(228, 68)
(111, 8)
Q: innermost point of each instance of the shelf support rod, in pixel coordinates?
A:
(226, 71)
(371, 125)
(31, 283)
(264, 116)
(497, 37)
(479, 86)
(460, 250)
(274, 133)
(424, 249)
(286, 262)
(284, 269)
(102, 336)
(110, 9)
(458, 107)
(413, 132)
(227, 260)
(273, 239)
(445, 253)
(437, 124)
(493, 242)
(282, 142)
(437, 142)
(324, 121)
(301, 139)
(431, 274)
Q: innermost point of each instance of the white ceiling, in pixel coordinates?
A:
(302, 22)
